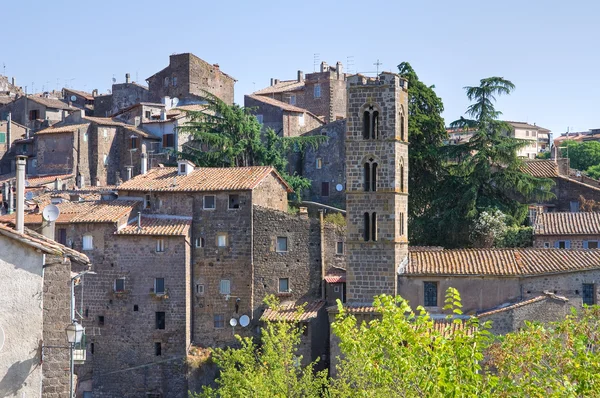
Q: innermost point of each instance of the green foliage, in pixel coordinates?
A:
(582, 155)
(489, 227)
(516, 236)
(543, 155)
(229, 135)
(336, 219)
(593, 172)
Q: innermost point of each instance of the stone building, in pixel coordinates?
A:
(322, 93)
(122, 95)
(80, 99)
(285, 119)
(9, 90)
(36, 112)
(188, 78)
(377, 184)
(10, 132)
(566, 230)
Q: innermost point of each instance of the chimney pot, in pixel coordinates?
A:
(139, 220)
(144, 165)
(127, 78)
(300, 76)
(272, 80)
(275, 81)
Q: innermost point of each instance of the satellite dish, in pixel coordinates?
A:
(50, 213)
(73, 98)
(339, 187)
(2, 338)
(174, 101)
(244, 321)
(233, 322)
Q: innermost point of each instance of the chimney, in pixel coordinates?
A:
(127, 78)
(275, 81)
(144, 166)
(8, 131)
(80, 181)
(272, 80)
(21, 163)
(339, 70)
(163, 114)
(139, 220)
(300, 76)
(129, 172)
(57, 184)
(324, 67)
(303, 212)
(137, 121)
(13, 81)
(95, 92)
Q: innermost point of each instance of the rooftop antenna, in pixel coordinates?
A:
(350, 63)
(378, 64)
(136, 76)
(33, 87)
(114, 79)
(3, 68)
(316, 57)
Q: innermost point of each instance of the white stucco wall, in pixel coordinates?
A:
(21, 318)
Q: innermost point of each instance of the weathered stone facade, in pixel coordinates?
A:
(35, 112)
(9, 133)
(377, 188)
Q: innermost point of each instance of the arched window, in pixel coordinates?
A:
(370, 175)
(167, 81)
(402, 132)
(401, 224)
(375, 125)
(371, 123)
(370, 227)
(401, 175)
(366, 227)
(374, 227)
(366, 124)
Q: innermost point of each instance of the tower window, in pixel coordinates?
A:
(374, 227)
(157, 349)
(401, 224)
(402, 175)
(371, 123)
(370, 176)
(402, 132)
(159, 320)
(375, 125)
(366, 124)
(366, 227)
(317, 90)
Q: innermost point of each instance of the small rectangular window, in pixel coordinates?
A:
(34, 114)
(546, 245)
(174, 80)
(234, 201)
(282, 244)
(430, 294)
(325, 189)
(2, 138)
(588, 294)
(319, 163)
(159, 285)
(209, 202)
(147, 201)
(120, 285)
(148, 115)
(563, 244)
(168, 141)
(100, 320)
(88, 242)
(160, 320)
(225, 286)
(62, 236)
(259, 118)
(317, 91)
(133, 143)
(85, 137)
(222, 240)
(592, 244)
(339, 249)
(157, 349)
(284, 285)
(292, 100)
(200, 289)
(199, 243)
(336, 289)
(219, 321)
(160, 245)
(301, 120)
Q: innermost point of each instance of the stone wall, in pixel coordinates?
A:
(125, 95)
(576, 241)
(568, 191)
(56, 153)
(271, 193)
(103, 105)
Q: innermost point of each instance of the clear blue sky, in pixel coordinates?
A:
(549, 49)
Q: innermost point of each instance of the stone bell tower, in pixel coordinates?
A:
(377, 184)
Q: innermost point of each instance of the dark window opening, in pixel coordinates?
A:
(148, 114)
(366, 228)
(87, 313)
(588, 294)
(182, 168)
(592, 244)
(374, 227)
(366, 124)
(157, 349)
(370, 176)
(234, 201)
(219, 321)
(401, 177)
(100, 320)
(160, 320)
(159, 285)
(430, 294)
(34, 114)
(401, 224)
(367, 177)
(402, 128)
(375, 125)
(133, 142)
(374, 177)
(325, 189)
(119, 285)
(62, 236)
(168, 141)
(92, 348)
(136, 308)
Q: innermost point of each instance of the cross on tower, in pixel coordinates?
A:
(377, 64)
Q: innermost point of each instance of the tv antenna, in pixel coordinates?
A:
(350, 63)
(3, 68)
(316, 57)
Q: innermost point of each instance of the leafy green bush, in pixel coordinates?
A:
(516, 237)
(336, 219)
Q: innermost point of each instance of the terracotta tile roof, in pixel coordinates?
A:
(38, 241)
(36, 181)
(68, 211)
(69, 128)
(289, 312)
(335, 275)
(279, 104)
(282, 86)
(51, 103)
(541, 168)
(165, 179)
(500, 262)
(525, 125)
(107, 121)
(545, 296)
(565, 223)
(87, 96)
(101, 212)
(158, 226)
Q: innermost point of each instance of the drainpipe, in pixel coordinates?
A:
(21, 163)
(322, 237)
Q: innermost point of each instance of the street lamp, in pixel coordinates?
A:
(74, 335)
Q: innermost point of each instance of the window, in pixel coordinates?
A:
(159, 285)
(366, 227)
(317, 91)
(105, 160)
(200, 289)
(374, 227)
(527, 133)
(222, 240)
(182, 168)
(174, 80)
(225, 286)
(371, 123)
(120, 285)
(92, 348)
(62, 236)
(136, 308)
(370, 175)
(100, 320)
(301, 120)
(157, 349)
(88, 243)
(336, 289)
(159, 320)
(168, 140)
(401, 175)
(534, 133)
(200, 242)
(234, 201)
(546, 245)
(562, 244)
(339, 248)
(284, 285)
(588, 294)
(325, 189)
(292, 100)
(133, 143)
(147, 201)
(402, 137)
(148, 114)
(430, 294)
(34, 114)
(590, 244)
(160, 245)
(209, 202)
(282, 244)
(319, 163)
(259, 118)
(401, 221)
(167, 81)
(574, 206)
(2, 138)
(219, 321)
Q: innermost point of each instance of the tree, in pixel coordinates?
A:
(230, 136)
(582, 155)
(488, 228)
(426, 133)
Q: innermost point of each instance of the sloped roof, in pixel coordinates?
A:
(165, 179)
(157, 226)
(281, 86)
(102, 212)
(279, 104)
(500, 262)
(541, 168)
(68, 128)
(545, 296)
(335, 275)
(289, 312)
(36, 181)
(86, 95)
(565, 223)
(51, 102)
(525, 125)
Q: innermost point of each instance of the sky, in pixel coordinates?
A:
(548, 49)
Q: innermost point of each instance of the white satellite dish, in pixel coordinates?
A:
(174, 101)
(73, 98)
(233, 322)
(244, 321)
(339, 187)
(50, 213)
